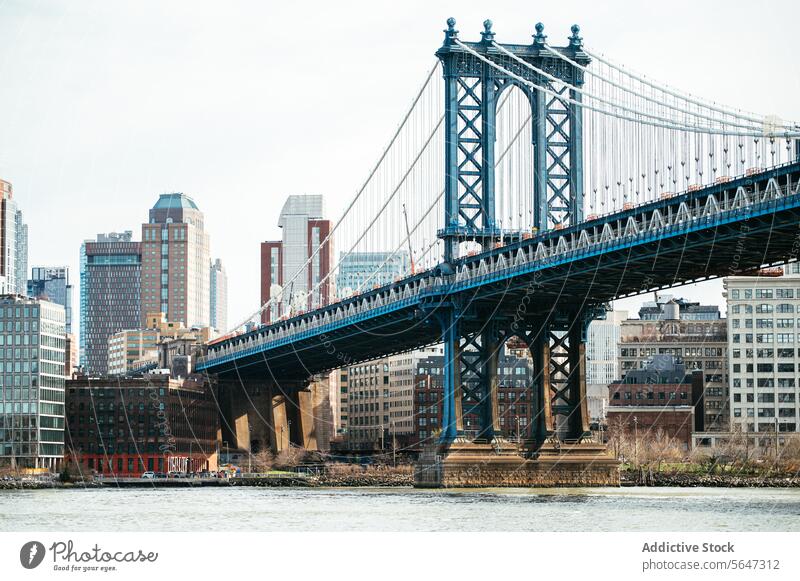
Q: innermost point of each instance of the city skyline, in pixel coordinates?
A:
(122, 129)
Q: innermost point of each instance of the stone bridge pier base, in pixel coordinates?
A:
(258, 415)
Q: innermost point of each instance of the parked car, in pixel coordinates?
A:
(160, 475)
(148, 474)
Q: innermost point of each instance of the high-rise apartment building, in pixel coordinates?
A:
(175, 259)
(364, 270)
(110, 294)
(764, 344)
(126, 236)
(52, 283)
(13, 244)
(701, 343)
(32, 346)
(218, 297)
(301, 261)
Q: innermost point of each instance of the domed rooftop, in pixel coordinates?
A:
(175, 200)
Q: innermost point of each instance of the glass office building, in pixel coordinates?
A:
(52, 283)
(32, 346)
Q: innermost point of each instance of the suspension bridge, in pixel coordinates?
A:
(531, 185)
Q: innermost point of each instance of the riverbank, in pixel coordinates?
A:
(380, 477)
(695, 480)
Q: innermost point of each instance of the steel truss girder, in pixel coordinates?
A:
(557, 346)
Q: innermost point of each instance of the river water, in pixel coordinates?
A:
(401, 509)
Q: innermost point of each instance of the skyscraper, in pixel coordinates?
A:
(218, 296)
(284, 262)
(52, 283)
(13, 244)
(126, 236)
(175, 259)
(110, 294)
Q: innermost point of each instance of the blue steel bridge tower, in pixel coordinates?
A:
(474, 333)
(472, 91)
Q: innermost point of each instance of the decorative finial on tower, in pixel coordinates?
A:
(539, 38)
(450, 34)
(487, 34)
(575, 41)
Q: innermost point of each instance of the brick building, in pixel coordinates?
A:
(661, 397)
(695, 335)
(123, 426)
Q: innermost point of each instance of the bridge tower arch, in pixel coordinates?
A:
(472, 91)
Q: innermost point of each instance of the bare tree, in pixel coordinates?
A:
(658, 447)
(263, 461)
(289, 457)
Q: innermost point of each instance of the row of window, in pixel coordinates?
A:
(762, 293)
(765, 398)
(764, 367)
(785, 338)
(765, 413)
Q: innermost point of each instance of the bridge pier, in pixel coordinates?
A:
(559, 451)
(269, 415)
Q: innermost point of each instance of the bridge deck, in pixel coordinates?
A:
(719, 230)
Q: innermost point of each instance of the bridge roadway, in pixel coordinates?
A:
(719, 230)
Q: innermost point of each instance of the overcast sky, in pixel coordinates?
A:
(104, 105)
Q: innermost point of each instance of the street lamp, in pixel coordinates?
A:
(393, 429)
(776, 439)
(636, 440)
